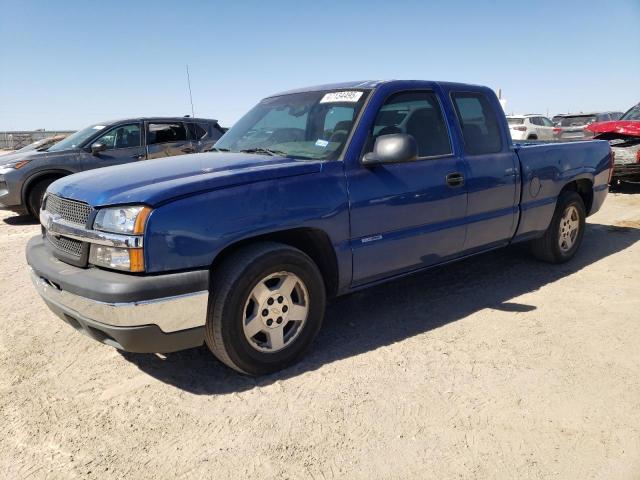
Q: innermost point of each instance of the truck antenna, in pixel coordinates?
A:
(190, 96)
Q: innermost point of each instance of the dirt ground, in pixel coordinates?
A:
(495, 367)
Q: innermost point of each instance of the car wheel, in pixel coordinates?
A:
(266, 306)
(564, 235)
(532, 137)
(36, 194)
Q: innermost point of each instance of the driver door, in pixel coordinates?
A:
(409, 215)
(123, 145)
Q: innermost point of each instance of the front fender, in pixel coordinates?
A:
(38, 175)
(189, 233)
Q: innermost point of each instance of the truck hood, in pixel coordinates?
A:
(615, 129)
(153, 182)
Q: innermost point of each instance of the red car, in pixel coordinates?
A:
(624, 137)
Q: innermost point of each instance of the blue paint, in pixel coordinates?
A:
(383, 221)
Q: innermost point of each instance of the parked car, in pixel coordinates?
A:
(530, 127)
(624, 138)
(313, 193)
(574, 126)
(25, 176)
(42, 145)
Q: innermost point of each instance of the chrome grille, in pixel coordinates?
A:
(67, 245)
(70, 210)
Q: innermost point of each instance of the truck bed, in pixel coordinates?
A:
(545, 168)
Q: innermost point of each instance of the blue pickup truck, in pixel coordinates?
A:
(314, 193)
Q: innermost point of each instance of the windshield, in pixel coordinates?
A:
(515, 121)
(633, 114)
(35, 145)
(577, 120)
(308, 125)
(76, 139)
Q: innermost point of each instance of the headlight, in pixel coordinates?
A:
(128, 259)
(127, 220)
(122, 220)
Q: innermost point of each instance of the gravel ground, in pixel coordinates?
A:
(496, 367)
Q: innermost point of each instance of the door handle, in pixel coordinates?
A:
(455, 179)
(138, 156)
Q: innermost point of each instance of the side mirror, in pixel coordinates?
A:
(98, 147)
(394, 148)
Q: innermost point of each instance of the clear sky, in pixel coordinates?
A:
(66, 64)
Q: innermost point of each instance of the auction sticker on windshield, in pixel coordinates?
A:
(350, 96)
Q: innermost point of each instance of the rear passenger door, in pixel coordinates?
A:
(492, 212)
(165, 139)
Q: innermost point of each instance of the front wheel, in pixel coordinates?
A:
(564, 235)
(265, 308)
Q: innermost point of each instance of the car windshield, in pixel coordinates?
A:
(308, 125)
(38, 144)
(633, 114)
(577, 120)
(515, 121)
(76, 139)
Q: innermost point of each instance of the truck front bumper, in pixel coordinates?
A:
(160, 313)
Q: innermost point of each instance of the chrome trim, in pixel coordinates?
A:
(58, 226)
(170, 314)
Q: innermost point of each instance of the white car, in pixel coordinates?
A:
(531, 127)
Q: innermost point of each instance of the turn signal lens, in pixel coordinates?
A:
(141, 220)
(21, 164)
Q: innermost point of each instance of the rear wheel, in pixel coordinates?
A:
(564, 235)
(36, 194)
(266, 307)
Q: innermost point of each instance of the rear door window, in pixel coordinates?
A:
(479, 123)
(166, 133)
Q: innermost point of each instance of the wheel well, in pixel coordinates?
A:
(532, 137)
(584, 188)
(38, 178)
(311, 241)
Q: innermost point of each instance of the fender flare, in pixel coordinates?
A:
(36, 176)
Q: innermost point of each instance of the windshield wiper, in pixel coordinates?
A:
(266, 151)
(215, 149)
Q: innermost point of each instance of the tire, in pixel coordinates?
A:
(36, 194)
(244, 296)
(532, 137)
(552, 247)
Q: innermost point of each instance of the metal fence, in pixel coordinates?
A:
(18, 139)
